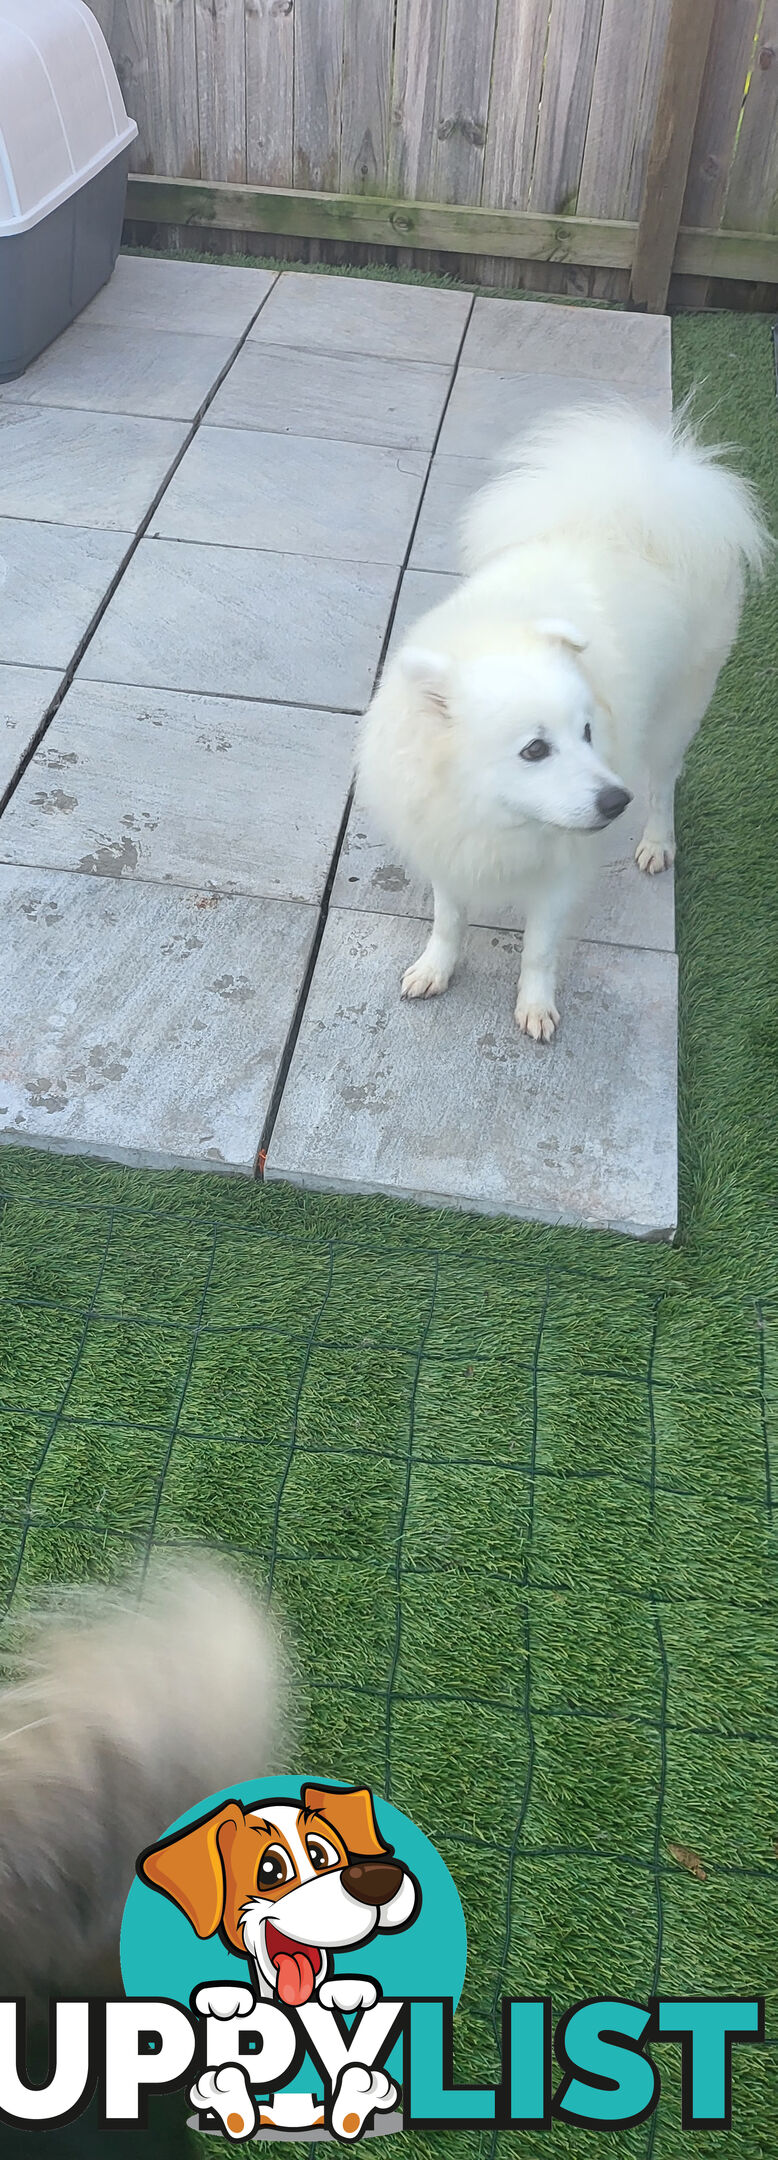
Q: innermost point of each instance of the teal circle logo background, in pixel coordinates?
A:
(162, 1956)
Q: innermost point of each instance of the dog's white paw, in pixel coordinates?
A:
(222, 1999)
(358, 2093)
(350, 1991)
(425, 978)
(225, 2092)
(539, 1021)
(654, 855)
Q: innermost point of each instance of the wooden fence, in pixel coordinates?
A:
(534, 120)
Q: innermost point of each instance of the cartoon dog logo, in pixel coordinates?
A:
(287, 1887)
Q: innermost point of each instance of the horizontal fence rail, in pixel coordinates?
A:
(546, 112)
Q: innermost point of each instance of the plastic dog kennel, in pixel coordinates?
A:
(64, 155)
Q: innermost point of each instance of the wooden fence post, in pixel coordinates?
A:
(688, 38)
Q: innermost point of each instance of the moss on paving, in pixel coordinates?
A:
(512, 1486)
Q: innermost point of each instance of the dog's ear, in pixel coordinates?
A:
(430, 672)
(562, 633)
(352, 1814)
(189, 1868)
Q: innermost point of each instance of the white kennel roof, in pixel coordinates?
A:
(62, 115)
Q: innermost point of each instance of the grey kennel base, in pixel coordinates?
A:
(47, 275)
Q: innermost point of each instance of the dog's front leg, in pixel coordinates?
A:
(536, 1008)
(432, 972)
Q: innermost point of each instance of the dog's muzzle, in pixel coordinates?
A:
(372, 1882)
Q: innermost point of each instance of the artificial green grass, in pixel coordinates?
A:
(514, 1487)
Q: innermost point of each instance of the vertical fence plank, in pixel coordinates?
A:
(367, 68)
(153, 50)
(670, 150)
(318, 77)
(221, 84)
(730, 54)
(752, 194)
(621, 114)
(519, 52)
(647, 102)
(270, 92)
(568, 75)
(418, 50)
(463, 107)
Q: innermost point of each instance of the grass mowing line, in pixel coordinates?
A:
(293, 1435)
(55, 1422)
(390, 1689)
(157, 1501)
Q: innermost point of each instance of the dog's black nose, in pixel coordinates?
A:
(372, 1882)
(611, 801)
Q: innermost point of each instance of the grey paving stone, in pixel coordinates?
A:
(52, 579)
(420, 590)
(600, 343)
(142, 1024)
(184, 790)
(444, 1102)
(360, 315)
(487, 408)
(79, 468)
(623, 907)
(201, 298)
(127, 369)
(349, 396)
(24, 696)
(347, 500)
(248, 624)
(452, 484)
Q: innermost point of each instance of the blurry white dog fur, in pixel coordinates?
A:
(119, 1716)
(607, 567)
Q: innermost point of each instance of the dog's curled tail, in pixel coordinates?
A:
(120, 1714)
(610, 471)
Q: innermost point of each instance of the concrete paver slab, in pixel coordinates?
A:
(488, 408)
(83, 468)
(304, 495)
(204, 299)
(142, 1024)
(452, 484)
(628, 351)
(251, 624)
(151, 373)
(184, 790)
(363, 315)
(443, 1101)
(352, 397)
(24, 695)
(52, 579)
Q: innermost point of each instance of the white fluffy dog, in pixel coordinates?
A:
(607, 567)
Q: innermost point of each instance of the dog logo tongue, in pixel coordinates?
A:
(297, 1965)
(296, 1978)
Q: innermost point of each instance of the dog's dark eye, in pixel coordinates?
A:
(534, 751)
(587, 733)
(320, 1855)
(275, 1867)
